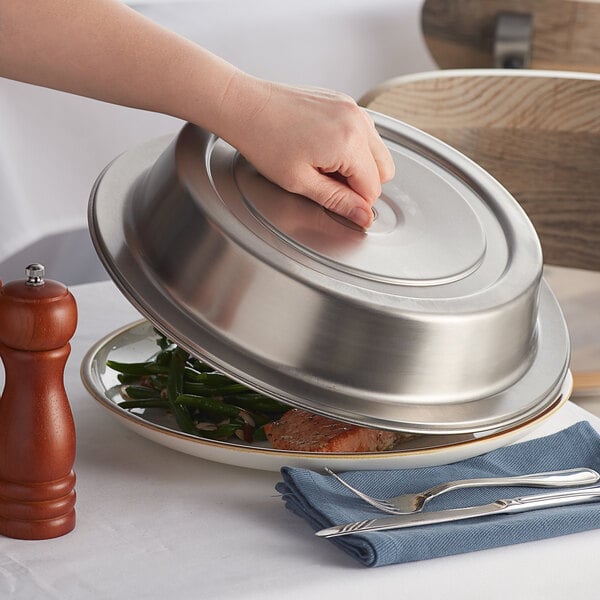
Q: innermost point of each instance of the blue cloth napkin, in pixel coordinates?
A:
(323, 501)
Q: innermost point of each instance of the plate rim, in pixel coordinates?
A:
(87, 377)
(109, 230)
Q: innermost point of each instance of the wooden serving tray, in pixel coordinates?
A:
(460, 33)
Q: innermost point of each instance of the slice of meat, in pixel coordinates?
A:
(300, 430)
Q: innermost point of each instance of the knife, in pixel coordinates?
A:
(499, 507)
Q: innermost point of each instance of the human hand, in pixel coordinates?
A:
(310, 141)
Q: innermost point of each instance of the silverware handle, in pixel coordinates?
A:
(567, 478)
(499, 507)
(551, 499)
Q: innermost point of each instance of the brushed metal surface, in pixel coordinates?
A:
(503, 506)
(434, 320)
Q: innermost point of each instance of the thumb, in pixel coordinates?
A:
(338, 197)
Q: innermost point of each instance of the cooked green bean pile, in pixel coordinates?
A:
(204, 403)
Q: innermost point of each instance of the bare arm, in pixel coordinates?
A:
(105, 50)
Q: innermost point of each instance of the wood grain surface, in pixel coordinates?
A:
(537, 132)
(460, 33)
(37, 431)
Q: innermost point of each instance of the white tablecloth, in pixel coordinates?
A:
(153, 523)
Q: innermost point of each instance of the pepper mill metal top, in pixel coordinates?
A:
(35, 274)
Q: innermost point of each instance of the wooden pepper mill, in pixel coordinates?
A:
(37, 435)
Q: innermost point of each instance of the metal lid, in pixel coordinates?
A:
(435, 320)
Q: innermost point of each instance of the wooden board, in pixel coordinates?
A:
(566, 33)
(537, 133)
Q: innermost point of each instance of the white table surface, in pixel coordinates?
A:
(154, 523)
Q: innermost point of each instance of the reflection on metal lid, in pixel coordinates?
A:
(434, 320)
(424, 232)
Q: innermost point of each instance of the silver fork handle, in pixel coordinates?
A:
(568, 478)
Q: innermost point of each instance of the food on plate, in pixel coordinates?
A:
(204, 403)
(307, 432)
(210, 405)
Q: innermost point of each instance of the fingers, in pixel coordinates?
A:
(353, 194)
(338, 197)
(366, 166)
(382, 157)
(369, 165)
(379, 151)
(362, 175)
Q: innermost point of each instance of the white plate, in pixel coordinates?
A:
(136, 342)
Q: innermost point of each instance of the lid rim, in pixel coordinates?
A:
(162, 304)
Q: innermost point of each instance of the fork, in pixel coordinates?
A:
(410, 503)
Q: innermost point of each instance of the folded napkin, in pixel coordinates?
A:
(323, 501)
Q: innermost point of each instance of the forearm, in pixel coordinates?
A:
(105, 50)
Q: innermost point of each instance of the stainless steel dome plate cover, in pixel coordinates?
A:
(435, 320)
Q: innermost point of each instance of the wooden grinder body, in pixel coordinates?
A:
(37, 432)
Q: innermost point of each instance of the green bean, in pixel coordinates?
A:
(259, 434)
(162, 340)
(125, 379)
(145, 368)
(193, 391)
(212, 379)
(140, 392)
(222, 432)
(196, 376)
(261, 419)
(148, 403)
(204, 390)
(208, 405)
(174, 389)
(159, 381)
(190, 374)
(163, 358)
